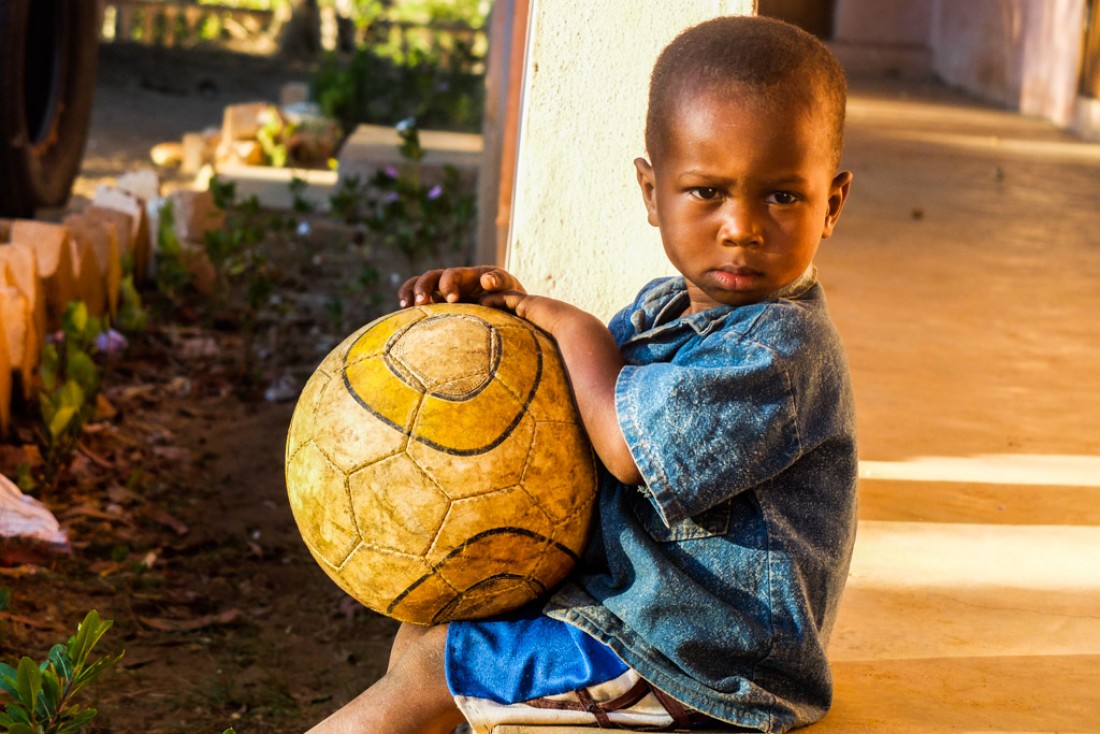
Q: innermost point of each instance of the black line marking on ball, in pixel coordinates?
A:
(495, 350)
(440, 447)
(475, 539)
(445, 611)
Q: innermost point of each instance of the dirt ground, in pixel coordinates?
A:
(181, 530)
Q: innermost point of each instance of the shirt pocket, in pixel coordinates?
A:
(707, 524)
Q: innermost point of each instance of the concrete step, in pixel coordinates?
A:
(531, 729)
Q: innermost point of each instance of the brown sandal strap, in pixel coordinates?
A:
(594, 708)
(674, 708)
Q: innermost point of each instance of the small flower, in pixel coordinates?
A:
(390, 198)
(405, 125)
(435, 192)
(111, 343)
(391, 171)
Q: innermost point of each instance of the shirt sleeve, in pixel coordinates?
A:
(701, 433)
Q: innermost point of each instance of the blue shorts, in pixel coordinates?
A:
(524, 655)
(525, 668)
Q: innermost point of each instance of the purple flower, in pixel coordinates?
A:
(390, 198)
(391, 171)
(111, 343)
(435, 192)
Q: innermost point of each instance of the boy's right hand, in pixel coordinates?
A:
(456, 284)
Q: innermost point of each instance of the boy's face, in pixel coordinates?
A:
(742, 196)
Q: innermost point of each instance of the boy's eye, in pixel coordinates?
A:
(706, 193)
(782, 197)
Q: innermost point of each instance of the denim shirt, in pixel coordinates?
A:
(718, 580)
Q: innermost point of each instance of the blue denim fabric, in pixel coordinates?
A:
(719, 579)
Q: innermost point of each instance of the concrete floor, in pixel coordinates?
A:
(965, 280)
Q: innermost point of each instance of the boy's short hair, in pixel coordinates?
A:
(776, 62)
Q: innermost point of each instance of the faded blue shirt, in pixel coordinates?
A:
(719, 579)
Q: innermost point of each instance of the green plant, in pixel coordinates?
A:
(173, 277)
(407, 212)
(38, 697)
(240, 263)
(299, 203)
(132, 317)
(346, 201)
(70, 383)
(445, 94)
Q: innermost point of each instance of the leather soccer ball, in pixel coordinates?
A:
(437, 467)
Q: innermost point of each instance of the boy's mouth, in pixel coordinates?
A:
(736, 278)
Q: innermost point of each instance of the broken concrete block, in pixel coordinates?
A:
(121, 227)
(248, 152)
(140, 238)
(167, 154)
(241, 122)
(195, 214)
(143, 184)
(104, 243)
(22, 272)
(19, 269)
(271, 186)
(53, 256)
(194, 153)
(293, 93)
(15, 323)
(87, 278)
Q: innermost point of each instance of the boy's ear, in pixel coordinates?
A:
(648, 183)
(838, 194)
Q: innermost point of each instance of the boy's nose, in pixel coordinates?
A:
(740, 225)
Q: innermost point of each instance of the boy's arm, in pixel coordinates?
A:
(593, 361)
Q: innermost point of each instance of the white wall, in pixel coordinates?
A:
(1023, 54)
(883, 22)
(1051, 58)
(579, 231)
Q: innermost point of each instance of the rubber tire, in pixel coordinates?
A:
(47, 86)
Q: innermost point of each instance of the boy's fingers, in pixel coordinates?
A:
(494, 279)
(405, 292)
(454, 283)
(419, 289)
(505, 300)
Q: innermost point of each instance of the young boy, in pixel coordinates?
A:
(720, 406)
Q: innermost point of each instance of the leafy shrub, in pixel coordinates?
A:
(407, 213)
(37, 698)
(371, 88)
(70, 384)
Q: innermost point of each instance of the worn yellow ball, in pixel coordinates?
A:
(437, 467)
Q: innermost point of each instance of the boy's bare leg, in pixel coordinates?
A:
(411, 698)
